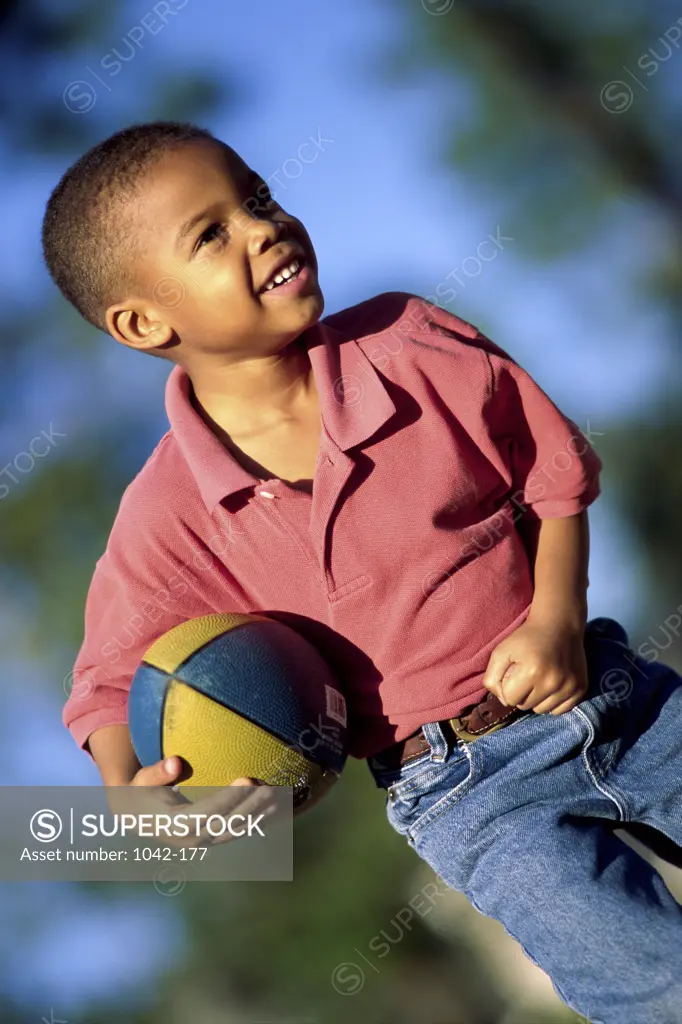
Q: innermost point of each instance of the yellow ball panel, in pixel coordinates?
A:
(170, 650)
(221, 746)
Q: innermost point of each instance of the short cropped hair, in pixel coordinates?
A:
(87, 235)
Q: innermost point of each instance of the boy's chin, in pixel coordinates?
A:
(301, 314)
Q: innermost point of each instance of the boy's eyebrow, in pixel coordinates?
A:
(252, 178)
(189, 225)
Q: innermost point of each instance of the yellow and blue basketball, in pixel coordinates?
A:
(239, 695)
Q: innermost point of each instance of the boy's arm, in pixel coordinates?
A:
(561, 567)
(113, 753)
(542, 665)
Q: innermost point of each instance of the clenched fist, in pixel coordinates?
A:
(540, 667)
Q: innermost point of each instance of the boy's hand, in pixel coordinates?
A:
(164, 800)
(540, 666)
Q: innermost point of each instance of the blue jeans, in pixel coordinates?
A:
(521, 821)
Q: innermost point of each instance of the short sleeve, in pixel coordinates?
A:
(554, 468)
(147, 581)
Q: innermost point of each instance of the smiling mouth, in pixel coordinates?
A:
(286, 274)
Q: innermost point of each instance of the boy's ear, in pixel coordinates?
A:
(137, 326)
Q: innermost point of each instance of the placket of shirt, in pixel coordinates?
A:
(288, 511)
(333, 470)
(307, 518)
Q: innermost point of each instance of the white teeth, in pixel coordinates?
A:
(285, 274)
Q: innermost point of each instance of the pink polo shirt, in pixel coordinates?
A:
(405, 565)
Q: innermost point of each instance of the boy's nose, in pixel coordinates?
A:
(262, 233)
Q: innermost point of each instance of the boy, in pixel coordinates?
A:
(390, 473)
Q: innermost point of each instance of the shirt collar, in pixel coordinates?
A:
(353, 399)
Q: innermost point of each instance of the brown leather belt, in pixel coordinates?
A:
(476, 720)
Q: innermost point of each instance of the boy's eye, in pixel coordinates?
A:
(217, 230)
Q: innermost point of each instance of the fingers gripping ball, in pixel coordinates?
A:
(237, 696)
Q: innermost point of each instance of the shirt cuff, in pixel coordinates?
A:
(561, 507)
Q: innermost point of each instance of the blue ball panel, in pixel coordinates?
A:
(273, 677)
(145, 712)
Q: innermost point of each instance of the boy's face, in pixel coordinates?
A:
(210, 242)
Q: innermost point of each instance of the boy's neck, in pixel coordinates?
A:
(243, 399)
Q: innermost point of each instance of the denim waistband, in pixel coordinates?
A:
(438, 752)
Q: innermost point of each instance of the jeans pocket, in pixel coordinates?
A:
(616, 677)
(415, 800)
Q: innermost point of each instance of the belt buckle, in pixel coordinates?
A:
(468, 737)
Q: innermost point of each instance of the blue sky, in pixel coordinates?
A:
(383, 214)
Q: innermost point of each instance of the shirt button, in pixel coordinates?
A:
(391, 793)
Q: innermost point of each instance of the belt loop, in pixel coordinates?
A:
(437, 740)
